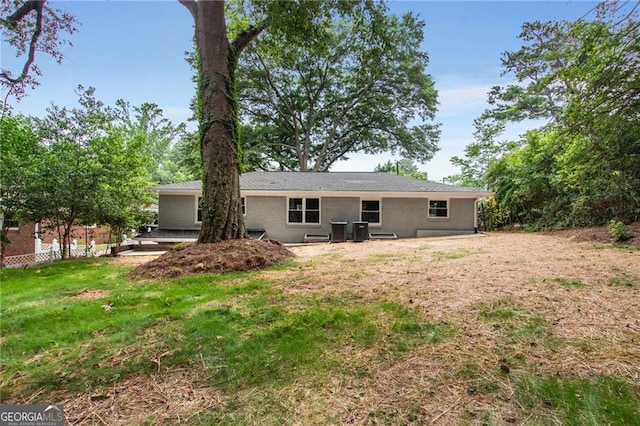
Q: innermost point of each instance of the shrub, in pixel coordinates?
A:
(619, 230)
(179, 246)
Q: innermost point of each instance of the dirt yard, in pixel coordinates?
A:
(449, 276)
(584, 295)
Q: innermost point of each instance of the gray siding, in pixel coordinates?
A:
(270, 214)
(177, 212)
(461, 216)
(405, 217)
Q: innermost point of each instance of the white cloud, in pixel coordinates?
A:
(462, 101)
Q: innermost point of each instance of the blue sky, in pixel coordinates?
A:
(134, 50)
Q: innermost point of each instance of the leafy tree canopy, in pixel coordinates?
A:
(358, 85)
(155, 134)
(77, 166)
(582, 167)
(403, 167)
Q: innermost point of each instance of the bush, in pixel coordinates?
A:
(618, 230)
(179, 246)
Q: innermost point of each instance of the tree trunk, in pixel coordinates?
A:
(221, 214)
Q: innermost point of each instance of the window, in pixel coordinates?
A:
(370, 211)
(438, 209)
(9, 223)
(303, 210)
(243, 206)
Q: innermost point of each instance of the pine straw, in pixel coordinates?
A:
(589, 330)
(174, 396)
(223, 256)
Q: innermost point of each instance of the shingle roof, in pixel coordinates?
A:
(193, 185)
(330, 182)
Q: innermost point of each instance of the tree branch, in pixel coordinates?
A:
(352, 101)
(245, 37)
(191, 6)
(276, 92)
(12, 22)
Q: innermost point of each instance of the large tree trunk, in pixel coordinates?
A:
(221, 214)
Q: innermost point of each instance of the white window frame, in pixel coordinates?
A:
(448, 209)
(379, 210)
(304, 211)
(198, 209)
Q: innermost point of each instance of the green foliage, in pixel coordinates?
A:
(403, 167)
(154, 135)
(354, 86)
(20, 147)
(179, 246)
(618, 230)
(31, 28)
(480, 155)
(492, 215)
(183, 162)
(581, 167)
(76, 166)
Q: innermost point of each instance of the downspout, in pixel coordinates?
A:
(475, 216)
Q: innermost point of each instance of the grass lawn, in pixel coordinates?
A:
(506, 329)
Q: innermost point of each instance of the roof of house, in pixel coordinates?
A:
(330, 182)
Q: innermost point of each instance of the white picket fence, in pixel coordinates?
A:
(49, 253)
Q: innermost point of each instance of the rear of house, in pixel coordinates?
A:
(291, 206)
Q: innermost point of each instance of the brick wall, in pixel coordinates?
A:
(22, 240)
(99, 235)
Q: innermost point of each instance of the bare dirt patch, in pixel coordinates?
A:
(224, 256)
(599, 234)
(133, 260)
(90, 295)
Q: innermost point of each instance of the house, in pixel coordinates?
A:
(301, 206)
(22, 236)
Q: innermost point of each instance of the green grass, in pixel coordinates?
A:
(451, 255)
(384, 257)
(517, 332)
(624, 279)
(244, 331)
(580, 401)
(268, 352)
(567, 282)
(521, 337)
